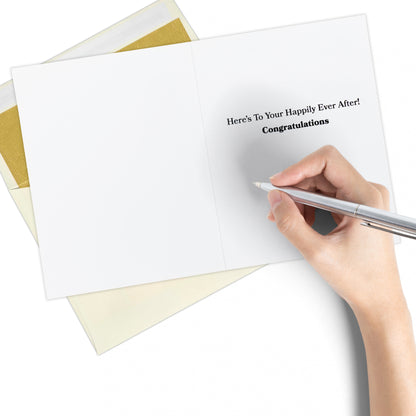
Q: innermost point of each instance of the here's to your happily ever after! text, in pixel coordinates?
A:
(268, 117)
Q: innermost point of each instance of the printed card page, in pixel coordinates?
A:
(267, 102)
(171, 154)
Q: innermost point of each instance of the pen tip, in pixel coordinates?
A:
(257, 184)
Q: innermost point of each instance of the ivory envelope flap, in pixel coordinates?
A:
(178, 133)
(111, 317)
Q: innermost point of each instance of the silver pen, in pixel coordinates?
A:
(372, 217)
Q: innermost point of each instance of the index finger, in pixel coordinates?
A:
(329, 162)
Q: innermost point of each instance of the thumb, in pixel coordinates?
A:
(292, 225)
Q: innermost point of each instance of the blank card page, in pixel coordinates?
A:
(117, 146)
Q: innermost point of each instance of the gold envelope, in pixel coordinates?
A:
(111, 317)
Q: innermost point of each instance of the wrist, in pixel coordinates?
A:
(381, 299)
(383, 317)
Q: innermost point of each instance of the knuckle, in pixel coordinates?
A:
(376, 197)
(384, 191)
(330, 150)
(284, 223)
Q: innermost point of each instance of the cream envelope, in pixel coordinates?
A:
(111, 317)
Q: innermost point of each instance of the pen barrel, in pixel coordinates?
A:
(321, 201)
(386, 218)
(388, 221)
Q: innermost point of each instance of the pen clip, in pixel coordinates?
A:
(390, 229)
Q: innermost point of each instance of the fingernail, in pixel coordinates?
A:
(275, 197)
(275, 176)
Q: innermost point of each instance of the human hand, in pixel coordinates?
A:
(358, 263)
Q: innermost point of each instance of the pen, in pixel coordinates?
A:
(372, 217)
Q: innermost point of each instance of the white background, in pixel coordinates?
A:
(265, 345)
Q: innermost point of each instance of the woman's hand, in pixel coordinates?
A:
(358, 263)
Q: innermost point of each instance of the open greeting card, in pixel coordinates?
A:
(149, 155)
